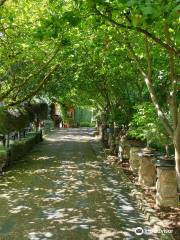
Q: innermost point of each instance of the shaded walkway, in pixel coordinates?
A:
(64, 190)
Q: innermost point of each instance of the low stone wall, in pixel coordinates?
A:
(156, 224)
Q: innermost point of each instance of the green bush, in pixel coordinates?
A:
(19, 148)
(63, 113)
(145, 125)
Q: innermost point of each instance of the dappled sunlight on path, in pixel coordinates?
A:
(64, 190)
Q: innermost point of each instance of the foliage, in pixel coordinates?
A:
(86, 124)
(146, 126)
(28, 49)
(63, 112)
(19, 118)
(92, 53)
(20, 148)
(12, 120)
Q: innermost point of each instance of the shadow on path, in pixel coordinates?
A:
(64, 190)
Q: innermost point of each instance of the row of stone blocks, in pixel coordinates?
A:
(164, 178)
(148, 174)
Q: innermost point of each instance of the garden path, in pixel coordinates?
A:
(64, 190)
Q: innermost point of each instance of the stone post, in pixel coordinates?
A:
(116, 145)
(110, 138)
(113, 145)
(134, 159)
(166, 187)
(124, 149)
(147, 170)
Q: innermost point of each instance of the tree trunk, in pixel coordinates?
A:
(177, 159)
(8, 144)
(176, 141)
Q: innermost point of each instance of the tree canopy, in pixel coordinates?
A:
(108, 54)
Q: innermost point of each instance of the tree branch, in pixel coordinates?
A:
(148, 82)
(140, 30)
(147, 79)
(38, 88)
(19, 86)
(173, 78)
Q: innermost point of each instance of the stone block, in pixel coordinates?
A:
(166, 187)
(134, 159)
(166, 202)
(166, 175)
(147, 172)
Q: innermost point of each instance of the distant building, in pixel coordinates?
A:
(78, 117)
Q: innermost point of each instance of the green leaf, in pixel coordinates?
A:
(137, 20)
(72, 18)
(147, 10)
(177, 8)
(177, 37)
(131, 2)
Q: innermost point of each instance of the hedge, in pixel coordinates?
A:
(20, 148)
(3, 157)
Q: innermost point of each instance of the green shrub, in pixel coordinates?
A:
(145, 125)
(19, 148)
(63, 113)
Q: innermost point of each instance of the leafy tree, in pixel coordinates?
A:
(27, 62)
(94, 53)
(155, 24)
